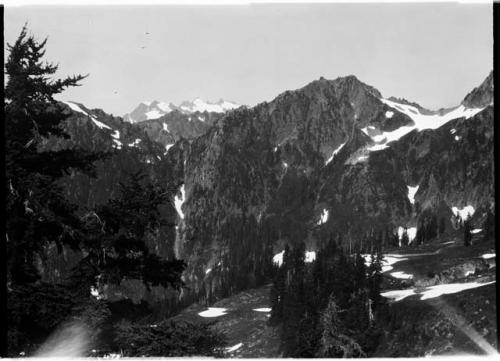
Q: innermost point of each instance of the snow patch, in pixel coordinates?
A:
(411, 232)
(389, 114)
(398, 295)
(488, 255)
(464, 213)
(75, 107)
(134, 143)
(208, 271)
(453, 131)
(445, 289)
(278, 258)
(310, 256)
(411, 193)
(387, 261)
(116, 134)
(164, 107)
(201, 119)
(117, 144)
(167, 147)
(324, 216)
(402, 275)
(94, 292)
(334, 153)
(264, 309)
(457, 138)
(362, 158)
(99, 124)
(476, 230)
(365, 130)
(213, 312)
(165, 127)
(377, 147)
(179, 201)
(234, 348)
(433, 291)
(153, 114)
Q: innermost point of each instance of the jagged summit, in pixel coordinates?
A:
(148, 110)
(482, 95)
(348, 85)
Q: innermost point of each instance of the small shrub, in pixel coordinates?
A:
(169, 339)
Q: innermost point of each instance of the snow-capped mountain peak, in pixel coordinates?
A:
(147, 110)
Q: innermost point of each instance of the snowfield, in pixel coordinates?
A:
(420, 122)
(199, 105)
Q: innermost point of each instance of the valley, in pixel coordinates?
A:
(439, 317)
(328, 221)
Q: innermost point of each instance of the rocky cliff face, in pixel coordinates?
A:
(331, 157)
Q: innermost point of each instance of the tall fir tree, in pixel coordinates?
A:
(38, 214)
(334, 343)
(122, 229)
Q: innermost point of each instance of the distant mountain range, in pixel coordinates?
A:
(149, 110)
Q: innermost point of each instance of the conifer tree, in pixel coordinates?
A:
(333, 342)
(442, 226)
(37, 211)
(38, 214)
(467, 233)
(375, 278)
(404, 238)
(120, 230)
(489, 225)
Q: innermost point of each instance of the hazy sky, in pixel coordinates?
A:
(429, 53)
